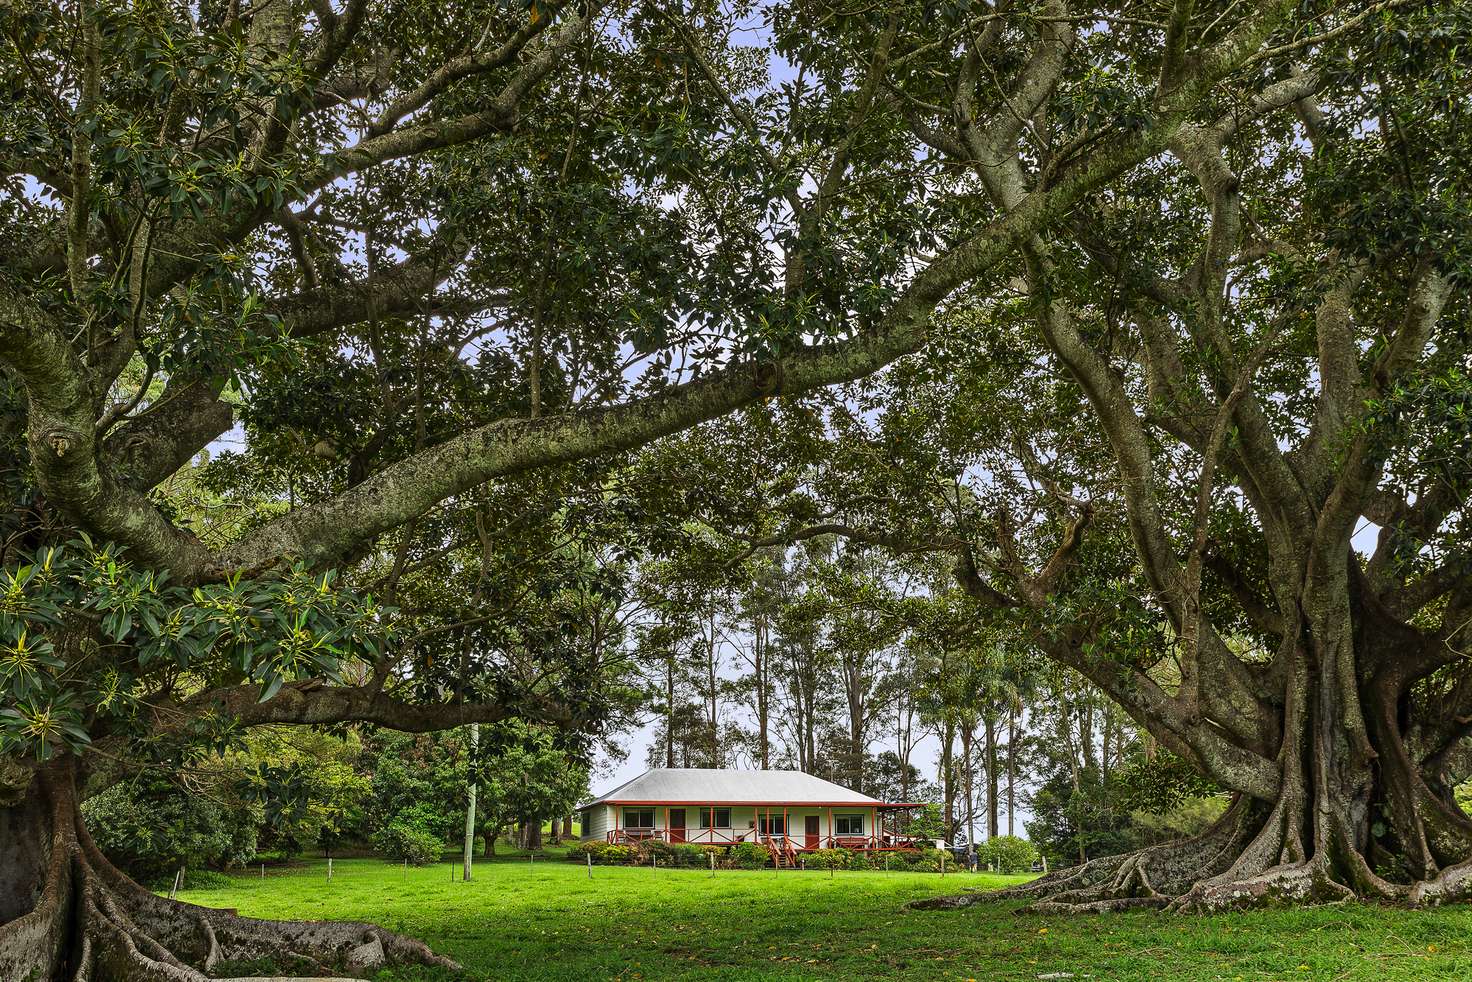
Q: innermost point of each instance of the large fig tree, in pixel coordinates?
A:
(1207, 439)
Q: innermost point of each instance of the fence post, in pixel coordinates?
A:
(712, 857)
(467, 862)
(942, 864)
(590, 865)
(886, 862)
(263, 871)
(329, 869)
(178, 880)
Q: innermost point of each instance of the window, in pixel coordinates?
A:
(777, 822)
(639, 818)
(848, 824)
(715, 818)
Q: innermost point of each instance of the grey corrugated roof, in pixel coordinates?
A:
(715, 786)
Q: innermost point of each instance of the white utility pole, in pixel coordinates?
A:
(470, 807)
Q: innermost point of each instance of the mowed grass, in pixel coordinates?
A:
(548, 920)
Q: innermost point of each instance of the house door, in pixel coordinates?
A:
(677, 825)
(810, 832)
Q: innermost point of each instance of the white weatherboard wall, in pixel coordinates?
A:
(597, 822)
(600, 822)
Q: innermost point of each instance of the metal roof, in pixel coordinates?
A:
(718, 786)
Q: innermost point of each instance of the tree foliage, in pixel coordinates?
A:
(1172, 298)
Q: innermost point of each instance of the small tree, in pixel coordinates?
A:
(1007, 854)
(524, 777)
(930, 823)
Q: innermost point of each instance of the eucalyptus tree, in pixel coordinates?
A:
(861, 629)
(429, 259)
(682, 649)
(960, 685)
(804, 671)
(758, 602)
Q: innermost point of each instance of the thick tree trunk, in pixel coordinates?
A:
(68, 913)
(1355, 816)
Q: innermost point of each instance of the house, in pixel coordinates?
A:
(790, 812)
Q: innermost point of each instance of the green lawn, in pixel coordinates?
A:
(547, 920)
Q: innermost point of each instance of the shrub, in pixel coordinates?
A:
(603, 853)
(930, 860)
(749, 855)
(651, 850)
(416, 846)
(580, 851)
(827, 859)
(672, 853)
(1007, 854)
(153, 826)
(413, 835)
(903, 858)
(919, 860)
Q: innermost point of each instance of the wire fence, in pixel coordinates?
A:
(330, 870)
